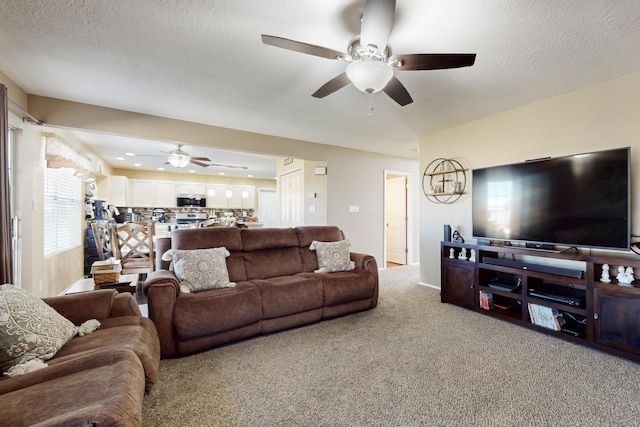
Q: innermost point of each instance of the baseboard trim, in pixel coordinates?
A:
(429, 286)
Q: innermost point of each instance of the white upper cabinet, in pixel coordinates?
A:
(216, 196)
(248, 195)
(231, 196)
(117, 191)
(189, 189)
(165, 195)
(152, 194)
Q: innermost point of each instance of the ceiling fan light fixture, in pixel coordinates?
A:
(178, 161)
(369, 75)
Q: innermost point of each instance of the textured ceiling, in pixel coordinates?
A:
(203, 61)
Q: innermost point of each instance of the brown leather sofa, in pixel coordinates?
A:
(276, 287)
(98, 379)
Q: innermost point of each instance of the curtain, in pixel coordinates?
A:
(6, 258)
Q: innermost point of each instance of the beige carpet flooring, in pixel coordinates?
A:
(412, 361)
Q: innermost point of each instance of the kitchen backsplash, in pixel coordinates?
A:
(170, 213)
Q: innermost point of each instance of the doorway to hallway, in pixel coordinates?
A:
(396, 219)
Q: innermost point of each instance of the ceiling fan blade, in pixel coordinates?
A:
(229, 166)
(195, 162)
(397, 92)
(202, 159)
(377, 21)
(331, 86)
(309, 49)
(433, 61)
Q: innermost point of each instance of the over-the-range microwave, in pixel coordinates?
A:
(192, 202)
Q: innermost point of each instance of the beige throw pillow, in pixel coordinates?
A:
(29, 328)
(202, 269)
(332, 256)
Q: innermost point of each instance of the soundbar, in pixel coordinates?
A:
(576, 302)
(539, 268)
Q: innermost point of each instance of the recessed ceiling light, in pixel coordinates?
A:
(250, 176)
(137, 164)
(119, 158)
(192, 171)
(129, 154)
(160, 169)
(220, 173)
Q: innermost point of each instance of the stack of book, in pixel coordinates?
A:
(486, 300)
(546, 317)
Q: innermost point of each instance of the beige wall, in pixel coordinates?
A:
(595, 118)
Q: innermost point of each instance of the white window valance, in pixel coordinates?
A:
(61, 154)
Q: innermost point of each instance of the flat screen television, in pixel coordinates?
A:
(582, 200)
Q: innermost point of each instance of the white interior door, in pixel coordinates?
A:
(290, 185)
(268, 208)
(396, 210)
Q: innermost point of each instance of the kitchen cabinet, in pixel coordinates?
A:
(216, 197)
(165, 195)
(152, 194)
(231, 196)
(117, 191)
(248, 197)
(188, 189)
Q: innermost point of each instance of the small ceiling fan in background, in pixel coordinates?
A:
(370, 62)
(179, 158)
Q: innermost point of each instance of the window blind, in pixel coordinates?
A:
(62, 211)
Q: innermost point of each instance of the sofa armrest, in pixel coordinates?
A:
(368, 262)
(162, 289)
(125, 304)
(365, 262)
(164, 277)
(80, 307)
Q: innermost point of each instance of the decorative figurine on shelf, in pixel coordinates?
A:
(472, 257)
(463, 254)
(604, 277)
(452, 253)
(625, 277)
(629, 273)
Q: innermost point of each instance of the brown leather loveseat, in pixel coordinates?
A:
(98, 379)
(276, 287)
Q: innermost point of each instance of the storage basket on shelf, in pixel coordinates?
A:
(107, 271)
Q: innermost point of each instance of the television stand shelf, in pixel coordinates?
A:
(556, 293)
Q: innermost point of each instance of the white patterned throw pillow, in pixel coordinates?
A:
(29, 329)
(202, 269)
(332, 256)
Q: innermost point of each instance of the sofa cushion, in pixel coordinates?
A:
(332, 256)
(346, 286)
(134, 333)
(217, 310)
(268, 238)
(272, 263)
(285, 295)
(102, 388)
(307, 234)
(202, 269)
(270, 252)
(29, 328)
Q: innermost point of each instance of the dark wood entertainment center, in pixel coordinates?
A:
(605, 316)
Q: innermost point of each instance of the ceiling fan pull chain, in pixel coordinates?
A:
(370, 105)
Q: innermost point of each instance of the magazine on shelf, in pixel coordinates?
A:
(546, 317)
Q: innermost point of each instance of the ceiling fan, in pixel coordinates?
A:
(180, 158)
(371, 64)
